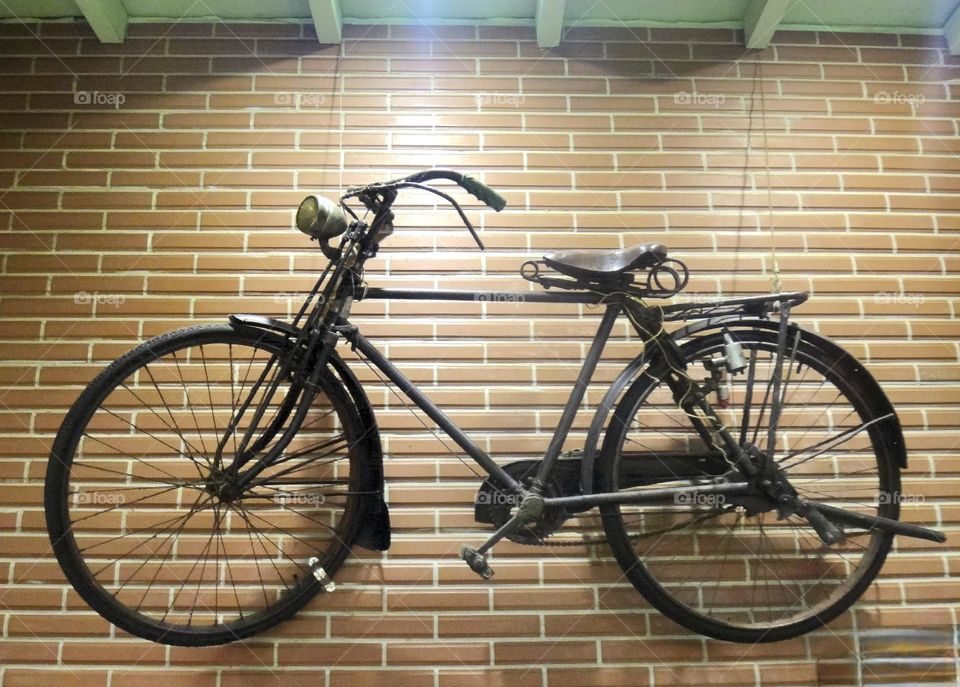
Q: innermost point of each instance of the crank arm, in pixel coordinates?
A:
(530, 507)
(476, 559)
(874, 522)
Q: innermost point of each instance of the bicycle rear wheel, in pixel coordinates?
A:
(141, 517)
(728, 569)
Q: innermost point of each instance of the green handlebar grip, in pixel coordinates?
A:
(483, 193)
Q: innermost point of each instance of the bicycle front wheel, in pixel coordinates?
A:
(142, 519)
(732, 570)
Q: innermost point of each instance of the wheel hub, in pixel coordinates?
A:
(771, 488)
(223, 487)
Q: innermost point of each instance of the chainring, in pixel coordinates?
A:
(549, 521)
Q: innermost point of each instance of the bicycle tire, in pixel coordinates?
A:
(278, 605)
(683, 601)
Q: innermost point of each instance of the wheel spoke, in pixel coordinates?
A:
(206, 376)
(186, 395)
(156, 574)
(188, 455)
(748, 396)
(822, 447)
(190, 449)
(125, 504)
(245, 514)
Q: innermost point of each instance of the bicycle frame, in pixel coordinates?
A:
(614, 307)
(328, 322)
(589, 365)
(662, 342)
(687, 375)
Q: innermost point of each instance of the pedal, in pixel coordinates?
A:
(477, 562)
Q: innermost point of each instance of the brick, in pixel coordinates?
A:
(390, 625)
(463, 678)
(441, 654)
(112, 653)
(400, 678)
(437, 600)
(44, 625)
(27, 652)
(110, 159)
(539, 653)
(15, 677)
(493, 626)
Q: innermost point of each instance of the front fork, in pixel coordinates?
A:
(311, 349)
(303, 391)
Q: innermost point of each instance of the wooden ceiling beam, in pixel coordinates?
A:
(328, 20)
(550, 22)
(107, 18)
(761, 21)
(952, 31)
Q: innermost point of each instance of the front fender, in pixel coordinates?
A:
(636, 366)
(374, 531)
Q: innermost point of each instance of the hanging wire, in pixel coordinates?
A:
(771, 225)
(338, 92)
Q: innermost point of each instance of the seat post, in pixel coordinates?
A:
(576, 395)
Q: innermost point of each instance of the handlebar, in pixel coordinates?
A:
(476, 188)
(322, 220)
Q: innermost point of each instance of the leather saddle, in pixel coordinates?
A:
(605, 265)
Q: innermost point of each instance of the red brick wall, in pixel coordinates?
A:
(119, 223)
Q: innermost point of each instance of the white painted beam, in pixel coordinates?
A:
(107, 18)
(328, 18)
(549, 22)
(952, 32)
(761, 20)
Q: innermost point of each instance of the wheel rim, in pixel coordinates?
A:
(726, 564)
(157, 540)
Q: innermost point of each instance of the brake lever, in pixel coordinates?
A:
(454, 203)
(466, 222)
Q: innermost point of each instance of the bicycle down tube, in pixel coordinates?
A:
(613, 310)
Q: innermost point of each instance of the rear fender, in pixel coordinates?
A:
(374, 530)
(629, 374)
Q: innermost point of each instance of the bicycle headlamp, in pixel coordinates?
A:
(320, 218)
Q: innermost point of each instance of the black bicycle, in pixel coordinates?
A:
(210, 482)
